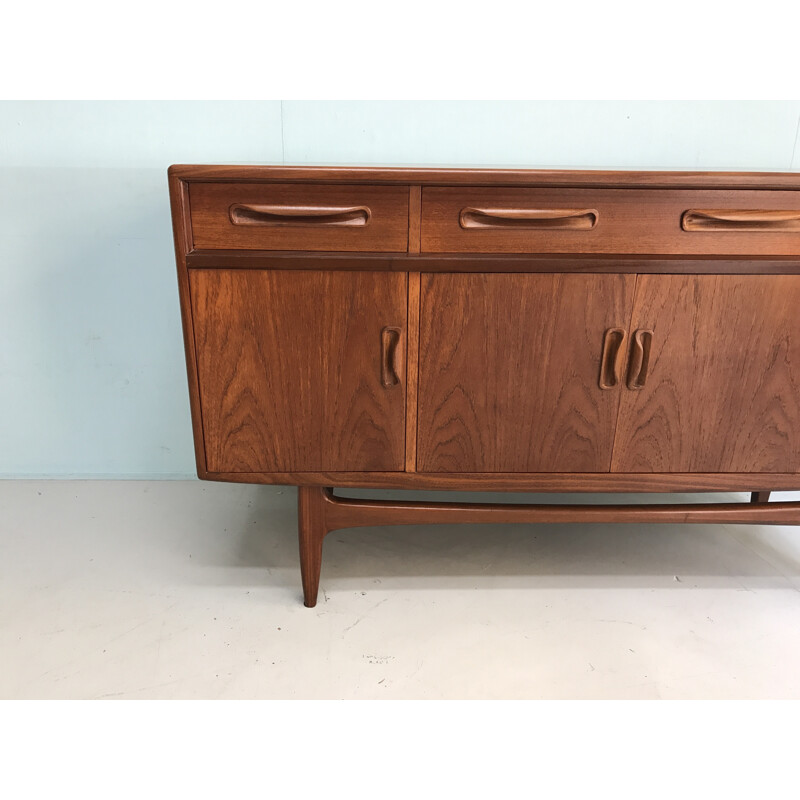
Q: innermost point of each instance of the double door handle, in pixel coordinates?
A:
(612, 359)
(640, 359)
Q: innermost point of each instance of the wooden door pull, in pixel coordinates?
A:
(318, 216)
(390, 339)
(612, 357)
(640, 359)
(696, 219)
(575, 219)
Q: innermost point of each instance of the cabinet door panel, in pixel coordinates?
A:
(722, 392)
(509, 367)
(290, 366)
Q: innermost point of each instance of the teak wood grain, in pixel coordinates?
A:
(412, 371)
(722, 391)
(509, 370)
(546, 482)
(414, 218)
(290, 367)
(627, 221)
(182, 234)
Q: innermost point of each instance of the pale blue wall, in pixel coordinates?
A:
(92, 379)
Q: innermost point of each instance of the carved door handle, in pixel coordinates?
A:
(390, 339)
(612, 358)
(640, 359)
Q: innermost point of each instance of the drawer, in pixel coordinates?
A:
(622, 221)
(294, 216)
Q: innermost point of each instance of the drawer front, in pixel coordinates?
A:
(292, 216)
(623, 221)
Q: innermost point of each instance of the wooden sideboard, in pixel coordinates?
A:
(477, 329)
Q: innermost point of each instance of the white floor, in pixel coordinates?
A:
(180, 589)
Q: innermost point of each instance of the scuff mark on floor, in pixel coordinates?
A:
(363, 616)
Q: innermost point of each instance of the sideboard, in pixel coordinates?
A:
(488, 329)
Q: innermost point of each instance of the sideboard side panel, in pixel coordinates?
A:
(182, 234)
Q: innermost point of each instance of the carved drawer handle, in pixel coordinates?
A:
(640, 359)
(571, 219)
(696, 219)
(318, 216)
(390, 339)
(612, 357)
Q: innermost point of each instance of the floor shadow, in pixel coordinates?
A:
(593, 554)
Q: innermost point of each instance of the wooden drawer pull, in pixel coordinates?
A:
(640, 359)
(390, 339)
(571, 219)
(696, 219)
(612, 358)
(318, 216)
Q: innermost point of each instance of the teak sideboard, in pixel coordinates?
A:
(481, 329)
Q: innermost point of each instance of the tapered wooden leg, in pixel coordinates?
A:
(320, 512)
(311, 502)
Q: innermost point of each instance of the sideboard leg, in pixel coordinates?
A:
(759, 497)
(311, 502)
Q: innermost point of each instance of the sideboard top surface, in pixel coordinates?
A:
(488, 176)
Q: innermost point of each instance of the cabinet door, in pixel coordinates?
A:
(722, 385)
(296, 371)
(509, 368)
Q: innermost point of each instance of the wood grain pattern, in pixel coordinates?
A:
(509, 369)
(385, 209)
(329, 512)
(414, 212)
(528, 482)
(182, 233)
(311, 528)
(482, 176)
(509, 262)
(290, 369)
(629, 221)
(723, 390)
(341, 512)
(412, 373)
